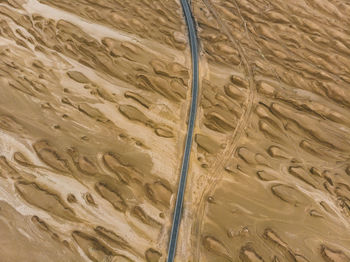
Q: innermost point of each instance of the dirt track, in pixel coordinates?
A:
(93, 96)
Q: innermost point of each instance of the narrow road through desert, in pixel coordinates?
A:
(193, 109)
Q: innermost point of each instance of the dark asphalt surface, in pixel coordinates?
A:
(193, 110)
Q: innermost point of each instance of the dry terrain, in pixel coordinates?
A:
(94, 98)
(271, 174)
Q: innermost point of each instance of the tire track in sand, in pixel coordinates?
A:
(233, 141)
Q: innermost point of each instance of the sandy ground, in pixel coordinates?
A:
(271, 173)
(91, 128)
(94, 96)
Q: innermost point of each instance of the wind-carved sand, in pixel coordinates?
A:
(270, 176)
(93, 103)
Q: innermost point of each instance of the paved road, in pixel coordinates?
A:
(193, 109)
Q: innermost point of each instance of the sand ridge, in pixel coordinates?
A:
(272, 193)
(94, 96)
(90, 128)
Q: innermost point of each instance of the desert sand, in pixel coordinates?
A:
(91, 119)
(94, 99)
(271, 172)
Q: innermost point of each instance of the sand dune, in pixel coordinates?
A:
(91, 128)
(94, 98)
(273, 192)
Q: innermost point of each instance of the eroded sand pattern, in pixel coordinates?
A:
(271, 178)
(94, 96)
(91, 128)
